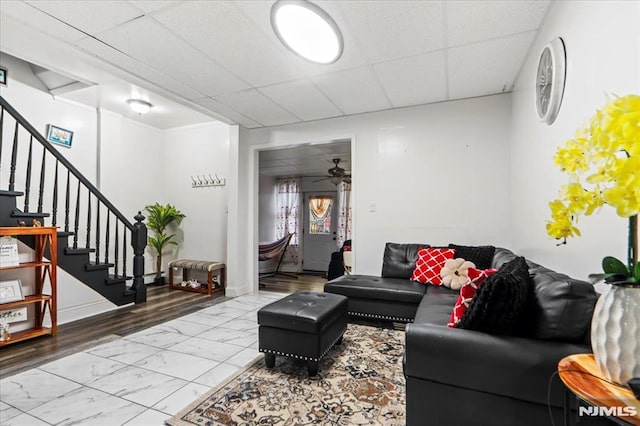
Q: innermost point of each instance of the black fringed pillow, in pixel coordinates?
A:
(500, 304)
(481, 256)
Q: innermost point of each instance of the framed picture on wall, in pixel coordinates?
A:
(59, 136)
(3, 76)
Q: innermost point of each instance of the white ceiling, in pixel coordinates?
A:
(310, 160)
(221, 58)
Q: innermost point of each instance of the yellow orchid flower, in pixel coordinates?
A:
(603, 165)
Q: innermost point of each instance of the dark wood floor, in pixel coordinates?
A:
(162, 305)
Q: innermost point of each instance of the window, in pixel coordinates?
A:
(320, 214)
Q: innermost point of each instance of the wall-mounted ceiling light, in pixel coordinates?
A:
(139, 106)
(307, 30)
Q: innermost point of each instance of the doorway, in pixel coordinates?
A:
(319, 230)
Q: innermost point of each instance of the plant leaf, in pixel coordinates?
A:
(636, 272)
(611, 265)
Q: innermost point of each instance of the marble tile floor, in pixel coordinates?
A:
(141, 379)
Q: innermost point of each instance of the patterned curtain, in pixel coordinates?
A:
(344, 213)
(288, 217)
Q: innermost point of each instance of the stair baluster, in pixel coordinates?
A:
(88, 244)
(41, 187)
(66, 203)
(115, 250)
(97, 231)
(27, 184)
(76, 224)
(124, 254)
(54, 208)
(106, 239)
(14, 156)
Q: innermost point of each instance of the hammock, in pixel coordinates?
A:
(272, 251)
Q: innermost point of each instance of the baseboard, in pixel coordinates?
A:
(238, 291)
(77, 312)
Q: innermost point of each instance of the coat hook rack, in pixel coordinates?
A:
(202, 181)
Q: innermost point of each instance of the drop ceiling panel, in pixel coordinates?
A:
(230, 113)
(168, 54)
(472, 21)
(307, 160)
(393, 29)
(303, 97)
(137, 68)
(224, 54)
(35, 18)
(150, 6)
(353, 91)
(423, 79)
(92, 17)
(224, 34)
(257, 107)
(488, 67)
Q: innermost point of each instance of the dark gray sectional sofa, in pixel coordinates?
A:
(464, 377)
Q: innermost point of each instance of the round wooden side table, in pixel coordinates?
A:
(583, 379)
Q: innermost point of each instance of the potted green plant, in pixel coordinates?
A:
(158, 219)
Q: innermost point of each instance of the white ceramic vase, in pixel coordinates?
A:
(615, 333)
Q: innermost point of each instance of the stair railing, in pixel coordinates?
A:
(92, 222)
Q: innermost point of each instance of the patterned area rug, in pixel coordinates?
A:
(359, 383)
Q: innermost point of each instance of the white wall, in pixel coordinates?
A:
(191, 151)
(434, 174)
(266, 209)
(602, 41)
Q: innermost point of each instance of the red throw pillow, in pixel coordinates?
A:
(429, 264)
(467, 293)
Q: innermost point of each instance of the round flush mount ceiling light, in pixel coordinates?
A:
(139, 106)
(307, 30)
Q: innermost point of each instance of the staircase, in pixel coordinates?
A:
(97, 244)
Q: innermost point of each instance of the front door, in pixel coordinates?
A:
(319, 239)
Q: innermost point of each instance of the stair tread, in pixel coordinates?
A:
(93, 266)
(72, 251)
(11, 193)
(20, 213)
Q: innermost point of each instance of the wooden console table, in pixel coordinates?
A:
(199, 265)
(583, 378)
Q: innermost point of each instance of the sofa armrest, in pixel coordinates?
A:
(502, 365)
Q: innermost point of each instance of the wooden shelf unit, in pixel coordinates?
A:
(43, 269)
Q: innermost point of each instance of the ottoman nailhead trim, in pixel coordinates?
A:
(386, 317)
(306, 358)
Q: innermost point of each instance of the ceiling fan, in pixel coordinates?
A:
(336, 173)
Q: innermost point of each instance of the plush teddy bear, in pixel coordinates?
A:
(454, 273)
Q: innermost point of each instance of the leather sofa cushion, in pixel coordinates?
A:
(400, 259)
(304, 311)
(562, 307)
(559, 307)
(501, 256)
(370, 287)
(436, 305)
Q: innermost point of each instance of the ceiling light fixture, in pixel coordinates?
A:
(139, 106)
(307, 30)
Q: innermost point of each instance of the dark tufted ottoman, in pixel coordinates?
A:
(303, 325)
